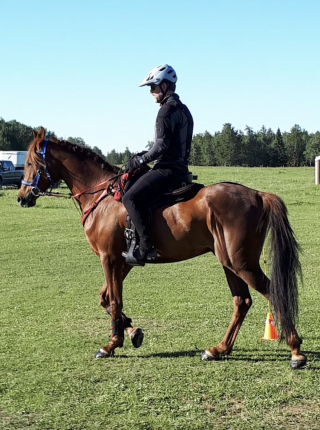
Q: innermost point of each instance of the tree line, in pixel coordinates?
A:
(15, 136)
(231, 147)
(228, 147)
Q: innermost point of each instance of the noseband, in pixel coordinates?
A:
(35, 190)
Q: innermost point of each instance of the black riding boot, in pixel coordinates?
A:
(145, 251)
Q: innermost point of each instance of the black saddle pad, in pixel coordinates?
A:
(181, 194)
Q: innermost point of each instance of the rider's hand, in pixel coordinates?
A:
(133, 164)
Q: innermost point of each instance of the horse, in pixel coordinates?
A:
(226, 219)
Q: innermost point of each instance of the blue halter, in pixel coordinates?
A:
(36, 191)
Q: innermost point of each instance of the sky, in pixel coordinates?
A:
(74, 66)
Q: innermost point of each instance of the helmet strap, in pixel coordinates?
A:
(162, 92)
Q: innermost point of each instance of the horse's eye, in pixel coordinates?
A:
(29, 164)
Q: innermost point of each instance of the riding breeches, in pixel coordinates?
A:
(149, 188)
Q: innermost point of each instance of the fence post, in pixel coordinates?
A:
(317, 170)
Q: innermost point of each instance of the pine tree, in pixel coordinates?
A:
(279, 157)
(312, 148)
(252, 151)
(227, 148)
(295, 146)
(264, 143)
(207, 149)
(195, 158)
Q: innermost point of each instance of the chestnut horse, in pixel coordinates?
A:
(229, 220)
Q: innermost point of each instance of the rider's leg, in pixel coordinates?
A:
(136, 200)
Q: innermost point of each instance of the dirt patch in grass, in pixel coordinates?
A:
(225, 408)
(19, 421)
(302, 410)
(295, 417)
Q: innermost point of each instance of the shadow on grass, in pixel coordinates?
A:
(175, 354)
(254, 356)
(236, 356)
(165, 354)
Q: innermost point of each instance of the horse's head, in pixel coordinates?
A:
(36, 176)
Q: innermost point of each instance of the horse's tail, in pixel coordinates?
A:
(286, 268)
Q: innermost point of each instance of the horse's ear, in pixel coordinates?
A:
(41, 134)
(34, 134)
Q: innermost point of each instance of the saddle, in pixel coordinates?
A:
(182, 190)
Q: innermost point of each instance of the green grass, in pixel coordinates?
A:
(51, 326)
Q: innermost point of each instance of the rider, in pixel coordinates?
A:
(170, 153)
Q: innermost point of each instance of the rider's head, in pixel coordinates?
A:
(162, 82)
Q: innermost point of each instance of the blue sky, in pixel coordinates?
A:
(74, 66)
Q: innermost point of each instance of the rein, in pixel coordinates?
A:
(76, 196)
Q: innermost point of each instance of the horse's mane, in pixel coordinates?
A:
(81, 151)
(85, 153)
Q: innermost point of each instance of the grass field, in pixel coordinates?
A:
(51, 325)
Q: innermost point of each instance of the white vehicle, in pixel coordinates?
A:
(17, 158)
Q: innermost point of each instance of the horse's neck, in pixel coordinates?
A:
(79, 175)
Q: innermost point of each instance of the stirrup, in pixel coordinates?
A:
(131, 243)
(131, 259)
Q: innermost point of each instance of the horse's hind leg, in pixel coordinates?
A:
(241, 305)
(260, 282)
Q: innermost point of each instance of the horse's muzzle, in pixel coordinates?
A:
(27, 201)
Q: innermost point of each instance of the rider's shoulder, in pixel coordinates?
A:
(170, 106)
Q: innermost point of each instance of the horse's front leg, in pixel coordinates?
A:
(112, 298)
(105, 303)
(135, 333)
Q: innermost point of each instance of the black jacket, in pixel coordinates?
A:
(173, 134)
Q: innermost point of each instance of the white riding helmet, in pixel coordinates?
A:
(158, 74)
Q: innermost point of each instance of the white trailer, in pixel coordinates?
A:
(17, 157)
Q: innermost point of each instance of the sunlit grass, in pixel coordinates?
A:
(51, 326)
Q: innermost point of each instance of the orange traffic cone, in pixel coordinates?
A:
(270, 331)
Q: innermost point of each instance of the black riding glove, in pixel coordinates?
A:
(133, 164)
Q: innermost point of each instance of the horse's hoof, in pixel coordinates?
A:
(298, 364)
(207, 357)
(103, 354)
(136, 337)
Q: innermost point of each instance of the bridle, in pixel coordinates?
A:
(35, 190)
